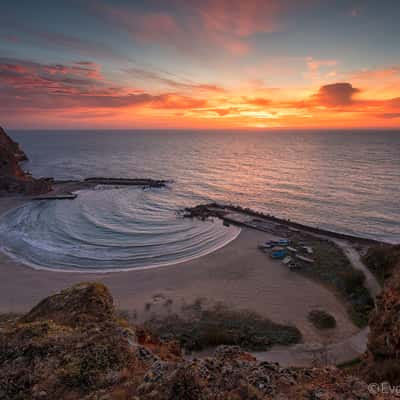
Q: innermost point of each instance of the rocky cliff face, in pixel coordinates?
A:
(382, 361)
(16, 151)
(12, 177)
(73, 346)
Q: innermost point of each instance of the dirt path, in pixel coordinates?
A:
(336, 353)
(370, 281)
(304, 355)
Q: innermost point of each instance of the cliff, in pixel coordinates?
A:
(12, 178)
(6, 141)
(382, 361)
(74, 346)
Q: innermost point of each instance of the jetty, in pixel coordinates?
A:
(65, 189)
(62, 196)
(127, 181)
(249, 218)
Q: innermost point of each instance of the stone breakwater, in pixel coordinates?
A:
(222, 211)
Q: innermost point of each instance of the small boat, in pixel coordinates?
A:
(308, 249)
(283, 242)
(305, 259)
(287, 260)
(278, 253)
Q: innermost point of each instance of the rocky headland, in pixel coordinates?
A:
(13, 179)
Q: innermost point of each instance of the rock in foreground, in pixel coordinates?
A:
(12, 178)
(382, 360)
(73, 346)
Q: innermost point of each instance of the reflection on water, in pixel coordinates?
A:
(346, 181)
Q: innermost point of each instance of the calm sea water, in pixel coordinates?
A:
(344, 181)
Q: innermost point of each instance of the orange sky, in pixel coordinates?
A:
(214, 64)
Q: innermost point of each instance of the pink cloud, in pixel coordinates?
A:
(356, 11)
(198, 25)
(314, 64)
(377, 73)
(27, 86)
(172, 81)
(240, 18)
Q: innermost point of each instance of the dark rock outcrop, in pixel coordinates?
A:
(6, 141)
(74, 346)
(382, 361)
(12, 177)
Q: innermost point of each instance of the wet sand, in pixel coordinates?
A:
(239, 275)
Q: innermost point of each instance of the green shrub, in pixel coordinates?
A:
(353, 280)
(198, 328)
(321, 319)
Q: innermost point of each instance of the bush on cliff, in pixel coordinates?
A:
(381, 260)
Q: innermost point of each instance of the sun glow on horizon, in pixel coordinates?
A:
(214, 65)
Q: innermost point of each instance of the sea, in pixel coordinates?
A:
(344, 181)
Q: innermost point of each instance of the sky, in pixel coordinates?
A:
(199, 64)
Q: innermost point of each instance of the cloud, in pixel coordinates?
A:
(394, 103)
(258, 101)
(28, 75)
(55, 40)
(377, 74)
(356, 11)
(315, 64)
(388, 115)
(73, 90)
(176, 102)
(196, 26)
(27, 85)
(240, 18)
(336, 94)
(171, 81)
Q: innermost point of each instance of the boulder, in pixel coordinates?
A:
(84, 303)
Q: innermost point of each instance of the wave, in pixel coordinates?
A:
(118, 229)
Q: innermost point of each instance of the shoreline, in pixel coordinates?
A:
(236, 274)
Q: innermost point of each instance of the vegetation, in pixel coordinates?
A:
(321, 319)
(199, 328)
(349, 365)
(69, 342)
(381, 260)
(333, 269)
(388, 370)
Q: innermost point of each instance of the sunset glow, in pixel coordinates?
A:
(200, 64)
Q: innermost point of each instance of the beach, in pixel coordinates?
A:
(238, 275)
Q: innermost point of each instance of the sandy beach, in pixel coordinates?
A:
(238, 275)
